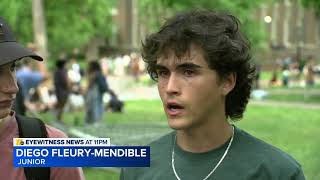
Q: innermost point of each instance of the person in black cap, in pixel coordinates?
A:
(10, 52)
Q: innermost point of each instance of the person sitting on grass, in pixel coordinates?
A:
(114, 104)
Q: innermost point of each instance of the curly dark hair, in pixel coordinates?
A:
(225, 49)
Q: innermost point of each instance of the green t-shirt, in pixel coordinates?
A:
(248, 159)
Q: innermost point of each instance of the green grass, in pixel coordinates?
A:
(293, 130)
(100, 174)
(144, 111)
(266, 75)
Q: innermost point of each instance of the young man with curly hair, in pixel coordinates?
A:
(201, 62)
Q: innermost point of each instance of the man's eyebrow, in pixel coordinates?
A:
(188, 65)
(180, 66)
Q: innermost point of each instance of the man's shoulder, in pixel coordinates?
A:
(266, 154)
(54, 132)
(73, 173)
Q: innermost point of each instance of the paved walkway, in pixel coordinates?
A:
(295, 91)
(285, 104)
(128, 89)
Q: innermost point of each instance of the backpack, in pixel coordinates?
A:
(102, 84)
(33, 128)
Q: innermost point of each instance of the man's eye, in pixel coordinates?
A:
(162, 73)
(13, 67)
(188, 72)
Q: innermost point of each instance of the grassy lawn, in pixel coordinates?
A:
(266, 75)
(293, 130)
(100, 174)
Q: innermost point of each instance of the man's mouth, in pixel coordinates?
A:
(6, 103)
(174, 109)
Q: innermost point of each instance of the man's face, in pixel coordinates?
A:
(8, 88)
(191, 92)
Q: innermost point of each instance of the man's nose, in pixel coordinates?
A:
(173, 85)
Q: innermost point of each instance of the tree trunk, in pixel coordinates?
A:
(40, 34)
(39, 28)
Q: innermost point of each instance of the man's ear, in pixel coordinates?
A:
(229, 83)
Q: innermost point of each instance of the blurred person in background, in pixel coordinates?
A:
(30, 76)
(76, 99)
(114, 104)
(309, 74)
(134, 66)
(62, 87)
(97, 86)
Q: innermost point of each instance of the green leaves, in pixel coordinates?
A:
(312, 3)
(153, 13)
(74, 23)
(69, 24)
(19, 16)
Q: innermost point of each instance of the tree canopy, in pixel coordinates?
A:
(72, 24)
(153, 13)
(69, 24)
(312, 3)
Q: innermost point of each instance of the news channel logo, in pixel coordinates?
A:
(19, 142)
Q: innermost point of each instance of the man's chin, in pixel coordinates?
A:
(178, 124)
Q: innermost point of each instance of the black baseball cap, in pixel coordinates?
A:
(10, 49)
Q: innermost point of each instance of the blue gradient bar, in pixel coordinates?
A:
(81, 156)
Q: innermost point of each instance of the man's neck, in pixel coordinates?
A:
(205, 138)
